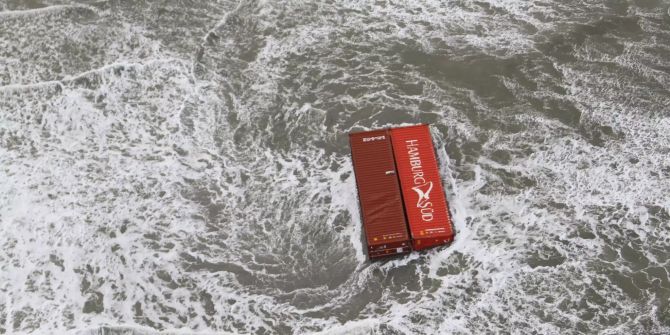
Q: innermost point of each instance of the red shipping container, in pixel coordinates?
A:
(379, 194)
(423, 195)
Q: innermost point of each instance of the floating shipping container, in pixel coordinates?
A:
(379, 194)
(425, 203)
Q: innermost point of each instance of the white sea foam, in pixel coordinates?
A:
(217, 196)
(44, 11)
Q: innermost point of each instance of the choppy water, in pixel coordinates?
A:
(184, 166)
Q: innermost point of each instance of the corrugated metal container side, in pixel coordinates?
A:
(425, 202)
(379, 193)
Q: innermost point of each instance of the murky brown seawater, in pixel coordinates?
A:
(183, 166)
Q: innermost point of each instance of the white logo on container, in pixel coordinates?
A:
(424, 193)
(422, 187)
(374, 138)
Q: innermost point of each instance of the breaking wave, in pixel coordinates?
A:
(184, 168)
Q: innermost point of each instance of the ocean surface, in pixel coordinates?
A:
(182, 167)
